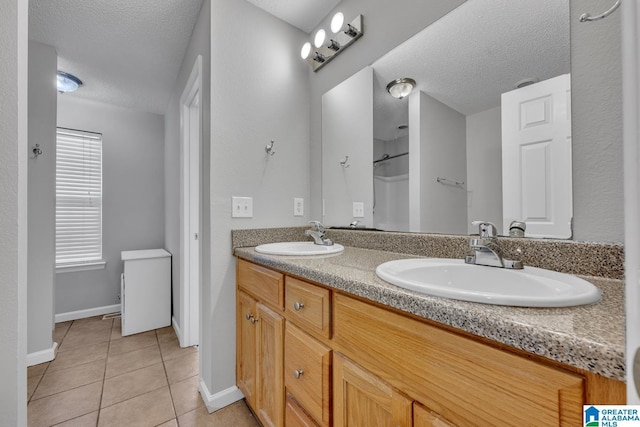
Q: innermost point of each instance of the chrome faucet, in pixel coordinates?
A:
(485, 248)
(318, 234)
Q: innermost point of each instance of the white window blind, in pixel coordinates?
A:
(78, 197)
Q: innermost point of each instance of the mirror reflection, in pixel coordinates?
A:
(451, 152)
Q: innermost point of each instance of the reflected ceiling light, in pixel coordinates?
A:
(66, 82)
(325, 50)
(400, 88)
(306, 50)
(336, 22)
(318, 40)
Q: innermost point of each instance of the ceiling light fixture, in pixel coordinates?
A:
(325, 50)
(400, 88)
(66, 82)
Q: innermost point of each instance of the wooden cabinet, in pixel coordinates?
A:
(423, 417)
(295, 416)
(308, 305)
(363, 400)
(246, 346)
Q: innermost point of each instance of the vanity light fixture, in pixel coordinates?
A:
(66, 82)
(400, 88)
(325, 50)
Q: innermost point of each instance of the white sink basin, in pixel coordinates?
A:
(299, 248)
(452, 278)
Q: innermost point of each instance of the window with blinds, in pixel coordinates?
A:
(78, 197)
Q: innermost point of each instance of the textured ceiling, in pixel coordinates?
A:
(127, 52)
(304, 14)
(469, 57)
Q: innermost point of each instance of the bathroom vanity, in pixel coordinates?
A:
(322, 341)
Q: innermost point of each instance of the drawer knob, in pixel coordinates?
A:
(297, 306)
(298, 373)
(248, 316)
(253, 319)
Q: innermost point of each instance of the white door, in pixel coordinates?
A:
(536, 158)
(190, 113)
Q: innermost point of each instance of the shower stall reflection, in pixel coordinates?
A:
(391, 182)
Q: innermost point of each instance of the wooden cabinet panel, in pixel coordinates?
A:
(308, 305)
(308, 373)
(246, 346)
(270, 388)
(423, 417)
(265, 285)
(363, 400)
(294, 415)
(465, 381)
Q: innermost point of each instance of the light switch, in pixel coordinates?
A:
(358, 209)
(242, 207)
(298, 206)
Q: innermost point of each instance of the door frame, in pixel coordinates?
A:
(190, 262)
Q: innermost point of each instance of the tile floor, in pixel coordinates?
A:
(100, 378)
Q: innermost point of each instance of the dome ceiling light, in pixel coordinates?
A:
(400, 88)
(66, 82)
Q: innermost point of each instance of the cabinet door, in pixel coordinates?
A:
(363, 400)
(423, 417)
(246, 346)
(270, 359)
(295, 416)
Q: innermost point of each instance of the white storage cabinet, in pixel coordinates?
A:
(145, 290)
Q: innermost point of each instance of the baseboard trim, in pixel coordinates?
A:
(176, 329)
(42, 356)
(89, 312)
(221, 399)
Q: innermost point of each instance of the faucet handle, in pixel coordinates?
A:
(486, 229)
(317, 225)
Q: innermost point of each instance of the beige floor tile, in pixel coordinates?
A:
(166, 333)
(116, 331)
(132, 384)
(133, 342)
(37, 370)
(172, 423)
(82, 338)
(95, 325)
(79, 356)
(236, 415)
(127, 362)
(170, 348)
(32, 383)
(186, 396)
(64, 406)
(60, 331)
(67, 379)
(182, 367)
(150, 409)
(89, 319)
(89, 420)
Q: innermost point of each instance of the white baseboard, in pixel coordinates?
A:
(176, 329)
(89, 312)
(42, 356)
(220, 399)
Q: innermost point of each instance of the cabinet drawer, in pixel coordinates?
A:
(308, 305)
(423, 417)
(264, 284)
(294, 415)
(465, 381)
(307, 373)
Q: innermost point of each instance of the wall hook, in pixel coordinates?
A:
(586, 17)
(269, 148)
(345, 162)
(36, 151)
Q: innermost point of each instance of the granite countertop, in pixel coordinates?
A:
(590, 337)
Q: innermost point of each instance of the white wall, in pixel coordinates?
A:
(484, 168)
(437, 135)
(132, 195)
(259, 92)
(43, 62)
(200, 44)
(348, 103)
(386, 24)
(13, 211)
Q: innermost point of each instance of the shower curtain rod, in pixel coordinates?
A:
(389, 158)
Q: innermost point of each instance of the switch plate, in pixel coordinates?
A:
(242, 207)
(358, 209)
(298, 206)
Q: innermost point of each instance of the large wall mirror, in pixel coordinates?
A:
(433, 161)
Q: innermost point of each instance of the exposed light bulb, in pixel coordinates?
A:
(336, 22)
(318, 40)
(306, 50)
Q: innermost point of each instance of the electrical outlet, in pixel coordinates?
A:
(242, 207)
(358, 210)
(298, 206)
